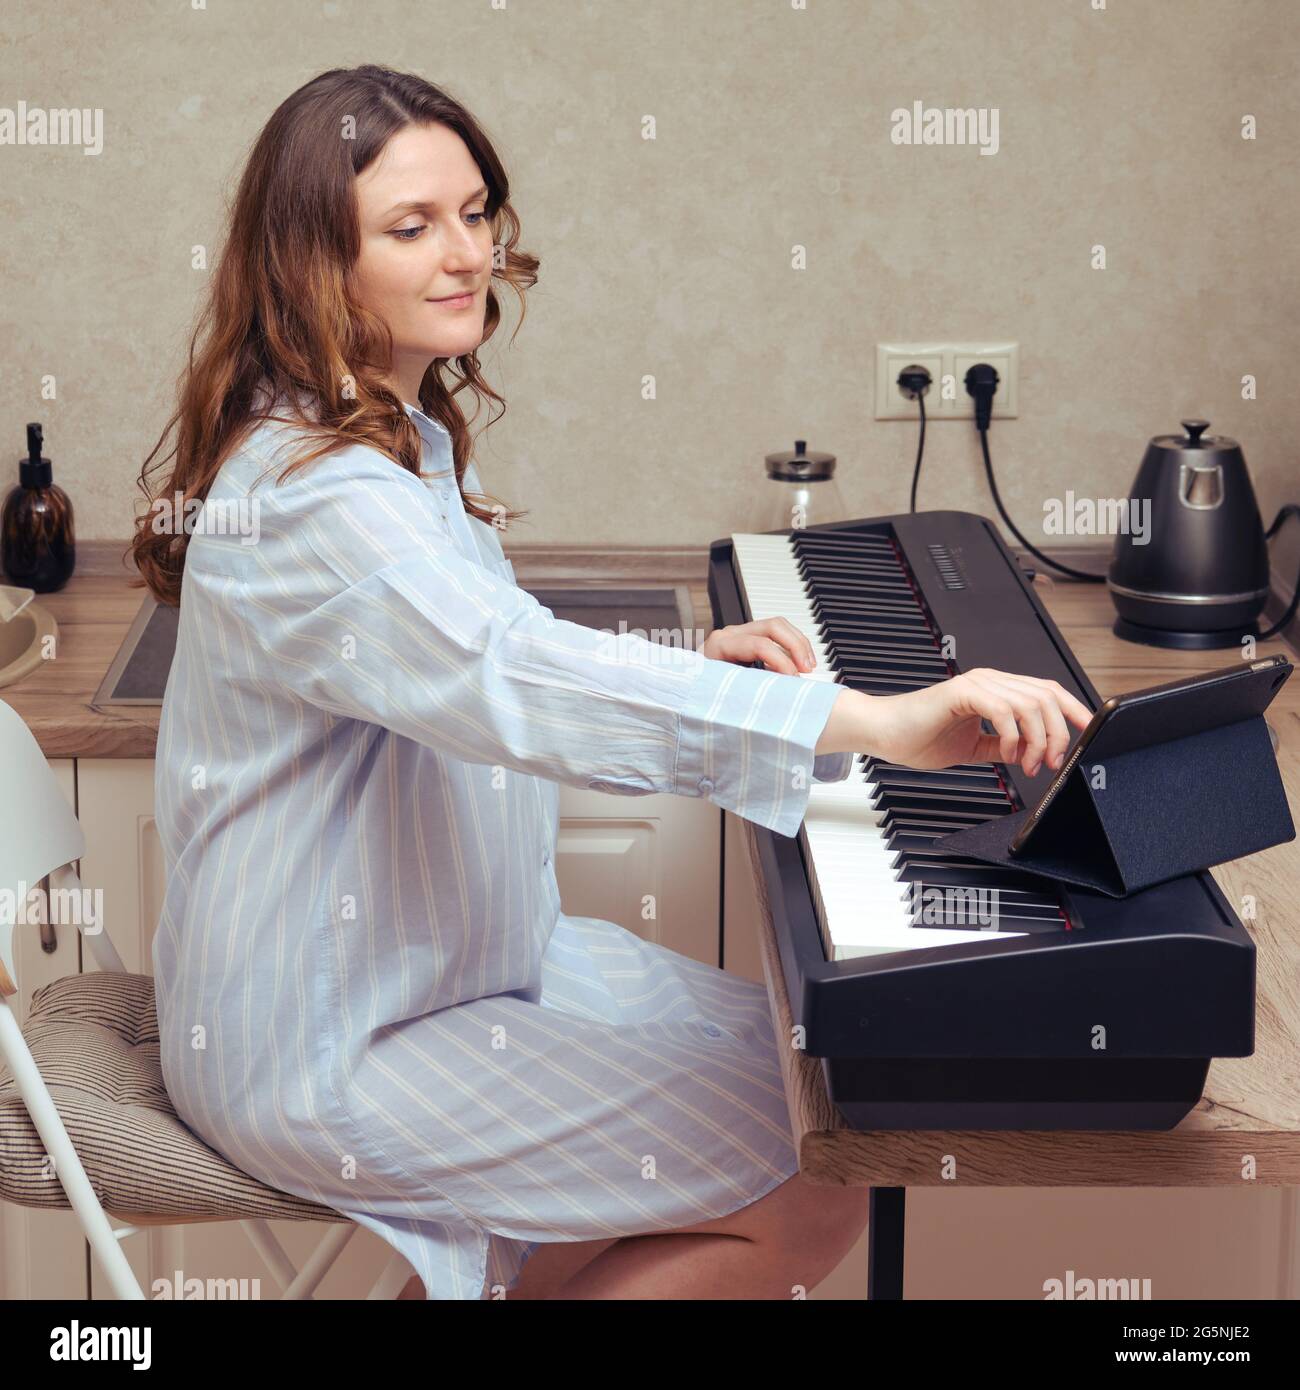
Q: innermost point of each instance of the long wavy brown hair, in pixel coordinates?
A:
(281, 314)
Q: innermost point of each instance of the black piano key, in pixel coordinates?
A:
(885, 666)
(859, 600)
(892, 664)
(892, 819)
(812, 543)
(922, 799)
(918, 839)
(929, 825)
(875, 683)
(973, 875)
(851, 580)
(936, 781)
(979, 769)
(863, 644)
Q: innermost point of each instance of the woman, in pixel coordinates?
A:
(367, 992)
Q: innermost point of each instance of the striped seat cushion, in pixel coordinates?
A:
(95, 1041)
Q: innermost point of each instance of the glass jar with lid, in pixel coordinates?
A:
(800, 491)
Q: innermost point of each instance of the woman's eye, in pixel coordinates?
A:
(411, 233)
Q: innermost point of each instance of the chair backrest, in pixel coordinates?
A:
(39, 832)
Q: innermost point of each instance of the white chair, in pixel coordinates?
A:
(81, 1084)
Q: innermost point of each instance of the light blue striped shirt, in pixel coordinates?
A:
(356, 788)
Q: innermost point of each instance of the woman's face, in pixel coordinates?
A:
(424, 236)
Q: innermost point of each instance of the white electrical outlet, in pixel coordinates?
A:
(891, 358)
(947, 364)
(1005, 358)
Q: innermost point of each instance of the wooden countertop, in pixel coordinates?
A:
(98, 605)
(1251, 1106)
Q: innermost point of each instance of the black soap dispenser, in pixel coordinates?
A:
(37, 550)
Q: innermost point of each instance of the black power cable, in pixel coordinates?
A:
(914, 382)
(1290, 509)
(982, 383)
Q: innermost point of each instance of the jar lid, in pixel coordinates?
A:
(800, 466)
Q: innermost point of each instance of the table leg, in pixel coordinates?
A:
(885, 1223)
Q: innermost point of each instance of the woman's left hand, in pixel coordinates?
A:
(776, 642)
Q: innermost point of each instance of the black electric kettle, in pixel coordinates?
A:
(1190, 570)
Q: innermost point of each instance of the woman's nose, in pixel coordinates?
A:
(466, 253)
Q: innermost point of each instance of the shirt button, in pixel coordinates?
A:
(713, 1030)
(546, 858)
(706, 785)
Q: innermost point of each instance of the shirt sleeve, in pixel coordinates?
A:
(370, 611)
(832, 767)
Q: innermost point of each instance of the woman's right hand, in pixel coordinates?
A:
(939, 726)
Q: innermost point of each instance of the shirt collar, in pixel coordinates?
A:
(424, 424)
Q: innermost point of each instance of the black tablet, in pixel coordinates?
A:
(1186, 706)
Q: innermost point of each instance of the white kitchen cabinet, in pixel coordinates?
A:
(648, 863)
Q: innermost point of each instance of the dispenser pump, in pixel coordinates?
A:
(38, 549)
(35, 471)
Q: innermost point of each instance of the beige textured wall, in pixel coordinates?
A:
(672, 257)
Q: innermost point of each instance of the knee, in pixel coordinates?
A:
(822, 1221)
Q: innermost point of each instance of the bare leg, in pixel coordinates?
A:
(789, 1240)
(548, 1267)
(551, 1265)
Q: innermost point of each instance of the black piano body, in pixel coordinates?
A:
(1108, 1023)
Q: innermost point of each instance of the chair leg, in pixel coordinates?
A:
(302, 1284)
(392, 1280)
(67, 1166)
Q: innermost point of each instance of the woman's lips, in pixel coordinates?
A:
(460, 301)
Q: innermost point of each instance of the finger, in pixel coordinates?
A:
(991, 705)
(1070, 705)
(785, 634)
(989, 749)
(773, 656)
(797, 644)
(1028, 716)
(1058, 733)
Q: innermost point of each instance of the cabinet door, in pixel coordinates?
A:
(1190, 1242)
(43, 1253)
(740, 919)
(647, 863)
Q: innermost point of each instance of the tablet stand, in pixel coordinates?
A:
(1125, 821)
